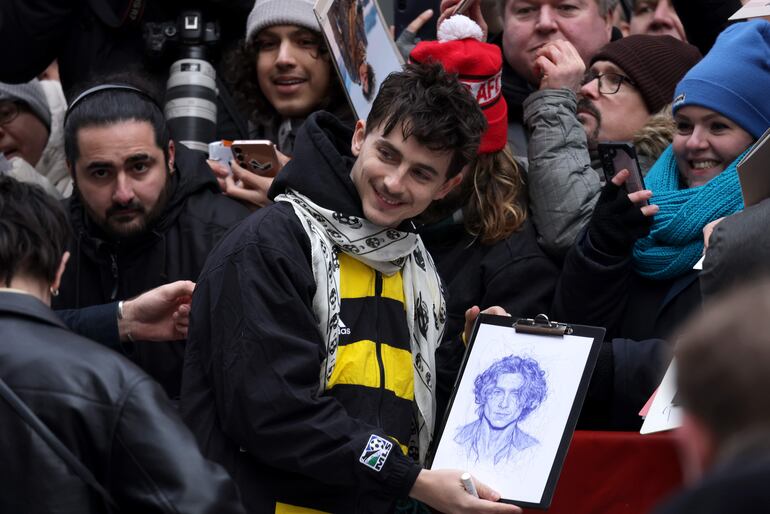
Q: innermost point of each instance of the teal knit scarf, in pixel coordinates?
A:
(675, 242)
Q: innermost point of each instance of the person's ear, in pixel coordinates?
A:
(449, 185)
(60, 272)
(358, 138)
(171, 153)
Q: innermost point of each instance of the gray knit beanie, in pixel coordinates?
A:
(281, 12)
(31, 94)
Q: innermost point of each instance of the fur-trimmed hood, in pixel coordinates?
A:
(654, 137)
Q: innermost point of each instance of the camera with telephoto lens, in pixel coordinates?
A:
(191, 90)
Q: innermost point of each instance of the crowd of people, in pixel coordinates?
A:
(178, 335)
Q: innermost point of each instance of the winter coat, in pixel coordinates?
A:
(174, 248)
(107, 412)
(251, 380)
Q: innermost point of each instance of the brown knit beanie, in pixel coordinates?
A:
(656, 64)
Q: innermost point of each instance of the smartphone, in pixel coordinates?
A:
(257, 156)
(617, 156)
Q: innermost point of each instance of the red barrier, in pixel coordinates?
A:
(616, 473)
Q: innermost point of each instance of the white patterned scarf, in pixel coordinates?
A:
(387, 250)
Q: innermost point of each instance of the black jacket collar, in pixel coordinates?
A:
(320, 168)
(28, 306)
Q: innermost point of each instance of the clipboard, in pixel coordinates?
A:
(515, 405)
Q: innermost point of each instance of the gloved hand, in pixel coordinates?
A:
(616, 222)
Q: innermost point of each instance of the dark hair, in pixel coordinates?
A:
(431, 105)
(110, 106)
(240, 73)
(533, 390)
(33, 231)
(723, 358)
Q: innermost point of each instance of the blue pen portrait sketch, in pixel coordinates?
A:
(505, 393)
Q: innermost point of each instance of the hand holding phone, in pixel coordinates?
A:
(257, 156)
(618, 156)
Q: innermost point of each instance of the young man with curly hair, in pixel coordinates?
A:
(310, 372)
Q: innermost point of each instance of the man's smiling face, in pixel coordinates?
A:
(397, 178)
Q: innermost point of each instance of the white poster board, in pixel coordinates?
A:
(363, 50)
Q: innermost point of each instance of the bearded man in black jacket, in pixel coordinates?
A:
(144, 211)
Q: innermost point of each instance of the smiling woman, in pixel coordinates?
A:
(720, 110)
(643, 289)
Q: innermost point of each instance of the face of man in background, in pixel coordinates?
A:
(656, 18)
(122, 176)
(22, 134)
(293, 73)
(610, 117)
(530, 24)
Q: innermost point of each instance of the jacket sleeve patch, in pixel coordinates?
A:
(376, 452)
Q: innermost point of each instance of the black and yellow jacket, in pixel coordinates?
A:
(250, 388)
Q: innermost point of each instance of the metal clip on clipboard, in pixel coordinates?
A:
(541, 325)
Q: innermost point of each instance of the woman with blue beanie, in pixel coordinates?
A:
(632, 270)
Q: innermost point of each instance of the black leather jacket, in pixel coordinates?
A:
(111, 416)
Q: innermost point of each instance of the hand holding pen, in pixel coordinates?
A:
(444, 490)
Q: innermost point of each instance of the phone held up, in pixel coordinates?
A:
(257, 156)
(618, 156)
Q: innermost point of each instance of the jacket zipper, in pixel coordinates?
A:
(114, 267)
(378, 344)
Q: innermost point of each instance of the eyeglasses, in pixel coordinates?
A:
(609, 83)
(8, 111)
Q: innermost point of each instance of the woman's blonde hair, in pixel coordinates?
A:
(494, 208)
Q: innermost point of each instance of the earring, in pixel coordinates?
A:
(54, 291)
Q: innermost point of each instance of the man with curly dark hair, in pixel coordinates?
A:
(283, 72)
(310, 371)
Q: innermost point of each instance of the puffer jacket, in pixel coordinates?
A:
(108, 413)
(101, 270)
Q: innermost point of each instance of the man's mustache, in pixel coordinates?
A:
(117, 208)
(584, 104)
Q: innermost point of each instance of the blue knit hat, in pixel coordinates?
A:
(734, 77)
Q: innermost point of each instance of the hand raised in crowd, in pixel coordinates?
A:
(407, 40)
(559, 66)
(443, 490)
(251, 189)
(618, 221)
(473, 12)
(160, 314)
(473, 313)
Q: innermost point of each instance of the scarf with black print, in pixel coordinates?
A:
(387, 250)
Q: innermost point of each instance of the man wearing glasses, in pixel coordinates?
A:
(623, 96)
(25, 128)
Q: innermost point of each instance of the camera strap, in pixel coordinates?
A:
(29, 417)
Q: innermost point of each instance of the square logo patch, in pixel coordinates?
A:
(376, 452)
